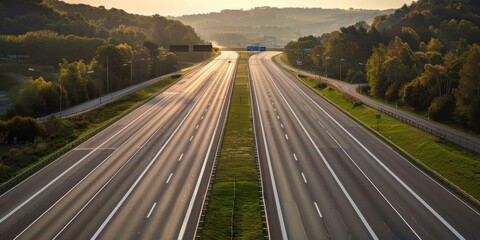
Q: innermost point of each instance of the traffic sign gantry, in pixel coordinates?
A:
(202, 48)
(179, 48)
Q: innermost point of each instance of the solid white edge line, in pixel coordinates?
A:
(73, 166)
(110, 216)
(91, 199)
(318, 210)
(344, 190)
(270, 169)
(376, 188)
(197, 186)
(413, 193)
(169, 177)
(151, 210)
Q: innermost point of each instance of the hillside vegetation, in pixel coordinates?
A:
(424, 57)
(273, 26)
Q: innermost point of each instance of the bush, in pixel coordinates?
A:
(321, 85)
(24, 128)
(355, 76)
(53, 126)
(475, 115)
(441, 108)
(3, 132)
(364, 89)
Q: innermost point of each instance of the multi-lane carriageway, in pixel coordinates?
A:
(327, 177)
(143, 177)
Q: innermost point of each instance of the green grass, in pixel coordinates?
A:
(236, 158)
(74, 128)
(459, 166)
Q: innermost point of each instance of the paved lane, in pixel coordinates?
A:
(130, 178)
(327, 177)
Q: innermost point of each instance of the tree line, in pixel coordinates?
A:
(424, 56)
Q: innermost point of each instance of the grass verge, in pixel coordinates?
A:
(75, 130)
(236, 159)
(458, 166)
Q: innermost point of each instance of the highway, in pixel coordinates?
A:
(325, 176)
(144, 177)
(459, 138)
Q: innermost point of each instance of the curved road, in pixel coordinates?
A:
(327, 177)
(453, 136)
(142, 177)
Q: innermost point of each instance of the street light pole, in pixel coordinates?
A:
(108, 80)
(341, 60)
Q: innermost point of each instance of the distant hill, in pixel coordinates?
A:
(115, 25)
(270, 26)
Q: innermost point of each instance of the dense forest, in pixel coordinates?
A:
(425, 57)
(273, 26)
(75, 46)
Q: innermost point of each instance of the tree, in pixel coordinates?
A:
(39, 97)
(435, 45)
(116, 58)
(469, 85)
(24, 128)
(73, 78)
(468, 92)
(441, 108)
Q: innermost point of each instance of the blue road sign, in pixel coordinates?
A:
(252, 48)
(261, 49)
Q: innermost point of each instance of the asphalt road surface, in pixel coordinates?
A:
(144, 177)
(457, 137)
(327, 177)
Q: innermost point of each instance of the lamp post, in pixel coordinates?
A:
(326, 68)
(341, 60)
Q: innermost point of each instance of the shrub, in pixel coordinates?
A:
(24, 128)
(441, 108)
(321, 85)
(53, 126)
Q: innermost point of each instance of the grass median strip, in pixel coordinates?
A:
(236, 166)
(459, 166)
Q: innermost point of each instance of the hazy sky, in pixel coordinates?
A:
(180, 7)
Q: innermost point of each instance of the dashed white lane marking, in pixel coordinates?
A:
(281, 125)
(304, 179)
(196, 127)
(295, 156)
(169, 177)
(180, 158)
(151, 210)
(318, 210)
(191, 138)
(278, 117)
(286, 136)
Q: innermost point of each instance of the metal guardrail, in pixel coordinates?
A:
(458, 140)
(213, 173)
(4, 187)
(266, 228)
